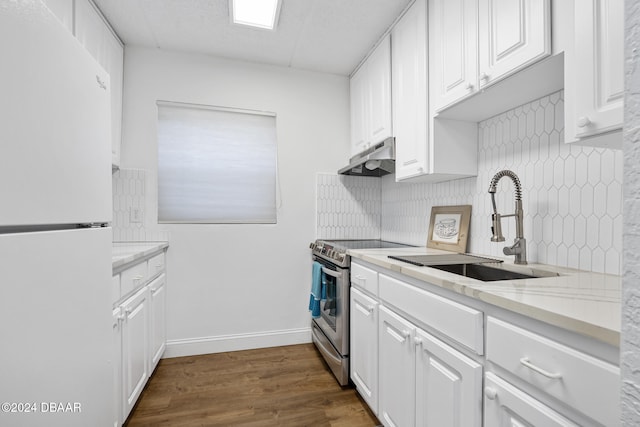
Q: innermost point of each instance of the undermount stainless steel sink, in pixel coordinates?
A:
(487, 273)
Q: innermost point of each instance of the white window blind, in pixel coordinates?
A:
(216, 165)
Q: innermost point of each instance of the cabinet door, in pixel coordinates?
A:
(379, 92)
(453, 72)
(135, 348)
(396, 370)
(599, 67)
(98, 39)
(507, 406)
(118, 317)
(511, 35)
(359, 113)
(157, 320)
(448, 385)
(409, 91)
(364, 347)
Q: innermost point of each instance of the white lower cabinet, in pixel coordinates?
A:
(157, 320)
(364, 346)
(578, 380)
(432, 351)
(448, 385)
(505, 405)
(117, 365)
(423, 381)
(135, 349)
(396, 354)
(139, 330)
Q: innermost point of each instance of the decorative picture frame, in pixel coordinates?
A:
(449, 228)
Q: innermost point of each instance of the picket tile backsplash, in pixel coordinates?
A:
(347, 207)
(572, 195)
(129, 192)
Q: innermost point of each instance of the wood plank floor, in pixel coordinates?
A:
(280, 386)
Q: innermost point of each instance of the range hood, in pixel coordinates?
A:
(378, 160)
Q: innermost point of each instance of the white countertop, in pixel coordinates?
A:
(580, 301)
(127, 252)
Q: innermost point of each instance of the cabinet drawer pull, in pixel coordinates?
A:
(469, 86)
(417, 341)
(359, 277)
(525, 361)
(484, 76)
(491, 393)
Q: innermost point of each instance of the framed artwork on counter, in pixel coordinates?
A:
(449, 228)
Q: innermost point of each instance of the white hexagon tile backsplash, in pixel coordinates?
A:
(572, 195)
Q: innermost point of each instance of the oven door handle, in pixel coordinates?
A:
(331, 273)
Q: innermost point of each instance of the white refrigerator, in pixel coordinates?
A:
(55, 240)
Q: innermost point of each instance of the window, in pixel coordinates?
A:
(216, 165)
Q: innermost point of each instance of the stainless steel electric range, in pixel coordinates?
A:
(330, 331)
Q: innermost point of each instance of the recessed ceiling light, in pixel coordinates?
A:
(255, 13)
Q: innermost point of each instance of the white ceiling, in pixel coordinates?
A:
(330, 36)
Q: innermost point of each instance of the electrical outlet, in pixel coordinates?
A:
(135, 215)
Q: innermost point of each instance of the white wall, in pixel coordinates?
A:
(238, 286)
(630, 337)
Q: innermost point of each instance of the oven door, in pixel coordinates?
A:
(334, 310)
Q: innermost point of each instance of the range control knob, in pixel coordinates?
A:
(312, 246)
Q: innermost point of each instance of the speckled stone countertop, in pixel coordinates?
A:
(128, 252)
(579, 301)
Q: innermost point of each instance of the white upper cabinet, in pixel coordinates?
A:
(425, 149)
(511, 35)
(453, 27)
(476, 43)
(379, 89)
(98, 39)
(358, 111)
(410, 92)
(371, 99)
(594, 79)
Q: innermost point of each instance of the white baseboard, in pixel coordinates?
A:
(222, 343)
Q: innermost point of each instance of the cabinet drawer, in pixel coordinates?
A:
(505, 405)
(364, 278)
(132, 278)
(156, 265)
(581, 381)
(457, 321)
